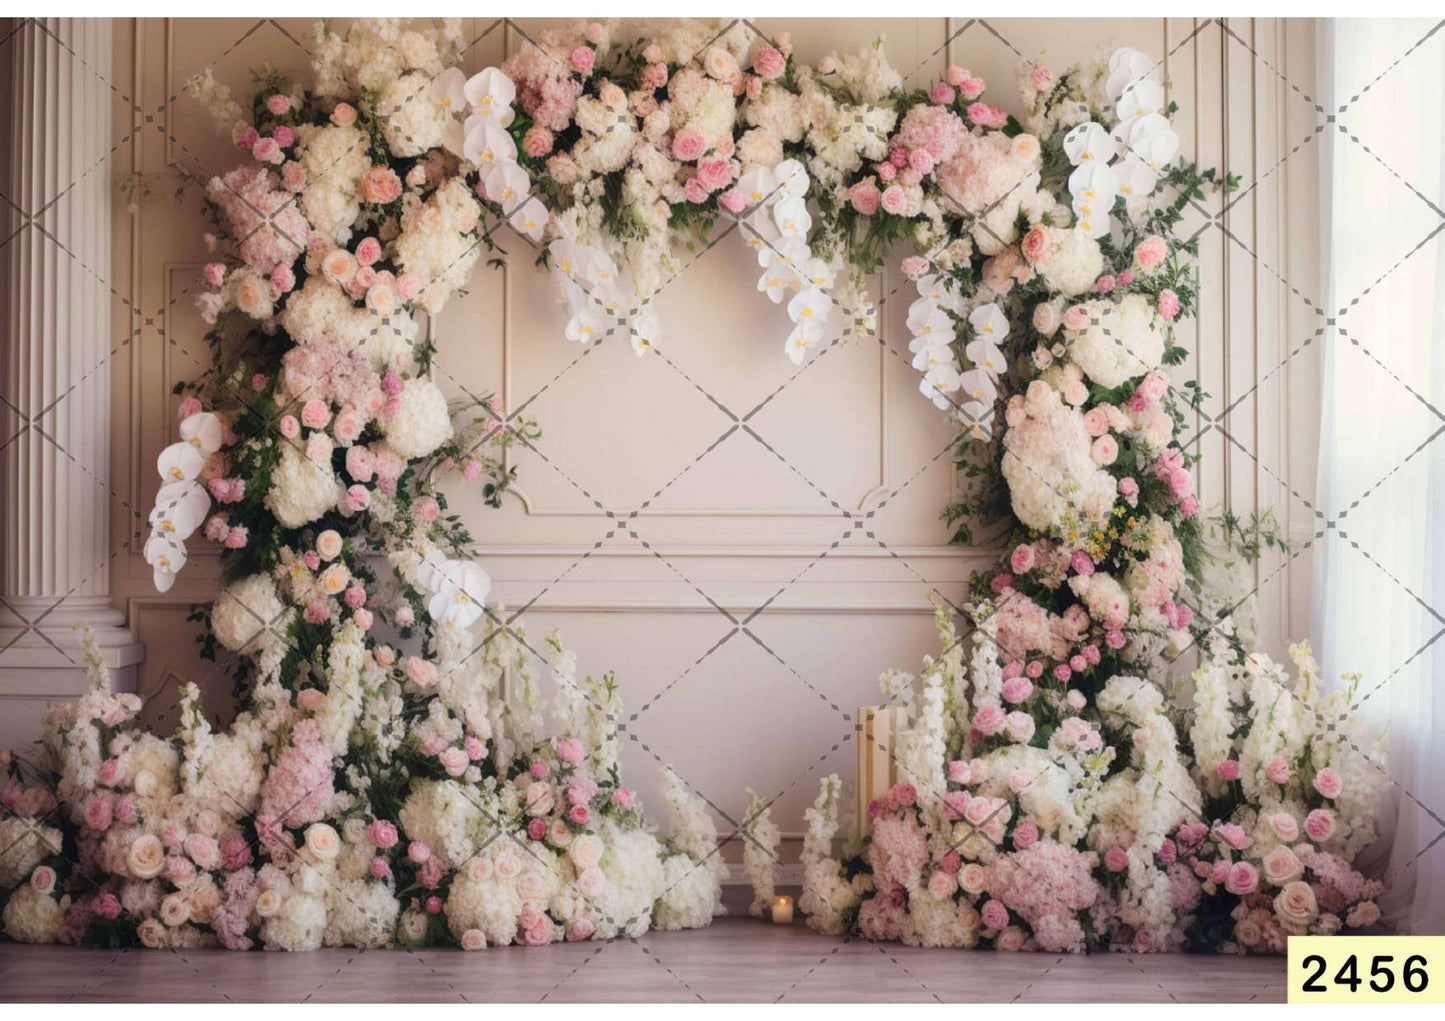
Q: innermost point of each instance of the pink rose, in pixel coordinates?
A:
(733, 201)
(1243, 879)
(1234, 836)
(1076, 317)
(380, 868)
(278, 104)
(582, 59)
(1035, 669)
(894, 200)
(1105, 283)
(97, 813)
(1041, 78)
(1150, 253)
(989, 720)
(1278, 770)
(769, 63)
(266, 150)
(538, 141)
(1320, 824)
(1115, 639)
(688, 145)
(1017, 689)
(1037, 247)
(381, 833)
(995, 915)
(537, 828)
(865, 197)
(695, 191)
(985, 116)
(368, 253)
(1116, 859)
(418, 852)
(1021, 561)
(570, 750)
(579, 814)
(1169, 305)
(941, 94)
(284, 136)
(1062, 673)
(623, 798)
(215, 273)
(1026, 834)
(715, 173)
(358, 498)
(1328, 783)
(958, 771)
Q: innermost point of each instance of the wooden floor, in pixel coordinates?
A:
(734, 960)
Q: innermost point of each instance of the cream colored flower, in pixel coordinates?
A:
(146, 856)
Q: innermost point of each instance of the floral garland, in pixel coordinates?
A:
(368, 793)
(1050, 801)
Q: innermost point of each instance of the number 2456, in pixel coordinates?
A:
(1381, 979)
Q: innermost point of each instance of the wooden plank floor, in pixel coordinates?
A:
(736, 959)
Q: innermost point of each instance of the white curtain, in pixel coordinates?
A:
(1379, 585)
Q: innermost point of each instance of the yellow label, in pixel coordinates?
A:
(1366, 969)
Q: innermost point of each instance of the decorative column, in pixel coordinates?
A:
(55, 253)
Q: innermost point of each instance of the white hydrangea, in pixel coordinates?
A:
(302, 489)
(412, 121)
(447, 817)
(299, 924)
(1075, 264)
(420, 423)
(23, 843)
(632, 864)
(1121, 341)
(32, 916)
(359, 913)
(437, 243)
(249, 617)
(690, 896)
(335, 159)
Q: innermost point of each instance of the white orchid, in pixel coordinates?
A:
(529, 219)
(791, 216)
(927, 319)
(976, 419)
(1151, 139)
(491, 94)
(506, 184)
(935, 288)
(928, 355)
(759, 186)
(809, 310)
(779, 280)
(978, 384)
(817, 272)
(180, 462)
(937, 383)
(459, 592)
(448, 89)
(1094, 186)
(644, 328)
(180, 511)
(792, 178)
(487, 142)
(989, 322)
(1142, 97)
(166, 556)
(203, 431)
(984, 354)
(1089, 142)
(1126, 66)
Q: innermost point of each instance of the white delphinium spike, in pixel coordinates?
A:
(760, 853)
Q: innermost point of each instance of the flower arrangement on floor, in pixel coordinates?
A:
(371, 790)
(1056, 792)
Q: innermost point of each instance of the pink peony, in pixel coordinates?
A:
(582, 59)
(769, 63)
(1168, 305)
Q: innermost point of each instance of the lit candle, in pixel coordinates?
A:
(783, 911)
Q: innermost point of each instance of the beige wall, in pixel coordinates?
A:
(736, 526)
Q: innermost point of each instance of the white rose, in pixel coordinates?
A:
(146, 856)
(480, 869)
(413, 926)
(151, 933)
(586, 850)
(473, 939)
(591, 882)
(531, 886)
(268, 903)
(144, 783)
(322, 841)
(175, 910)
(328, 544)
(508, 866)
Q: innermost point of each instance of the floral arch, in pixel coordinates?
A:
(382, 785)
